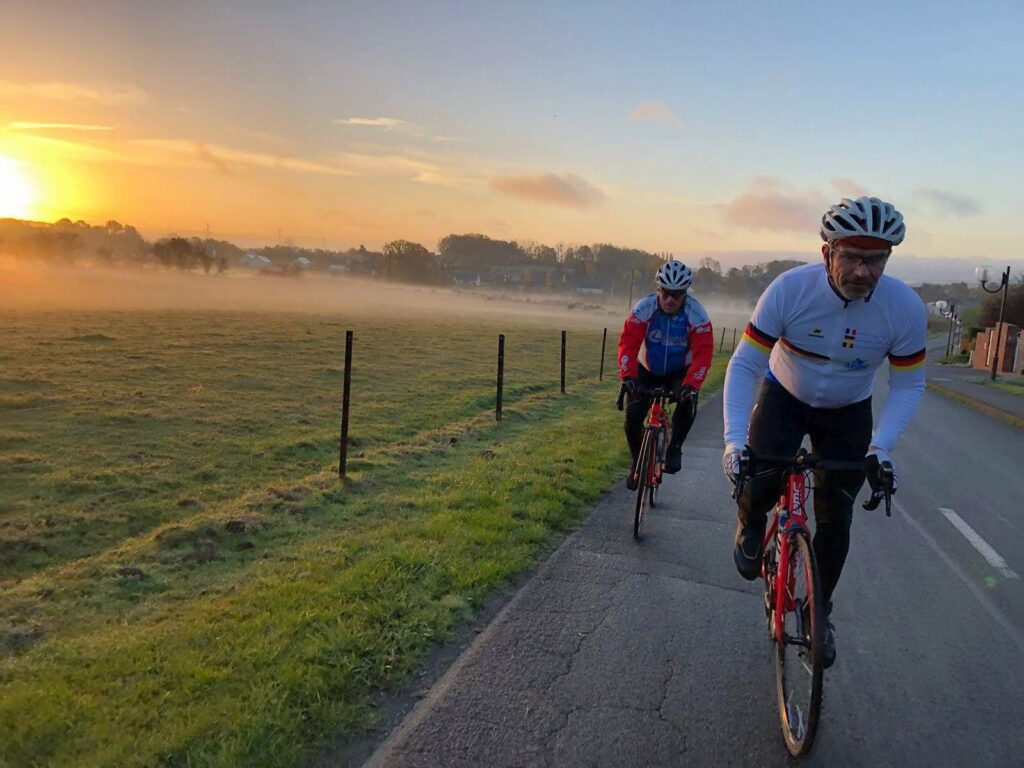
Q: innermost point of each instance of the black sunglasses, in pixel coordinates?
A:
(672, 294)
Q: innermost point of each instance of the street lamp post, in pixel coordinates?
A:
(941, 306)
(982, 273)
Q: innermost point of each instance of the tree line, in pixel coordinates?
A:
(460, 259)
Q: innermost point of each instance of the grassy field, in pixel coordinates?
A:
(184, 579)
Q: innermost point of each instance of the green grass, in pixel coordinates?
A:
(1007, 383)
(185, 580)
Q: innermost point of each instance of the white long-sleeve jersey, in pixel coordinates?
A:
(824, 350)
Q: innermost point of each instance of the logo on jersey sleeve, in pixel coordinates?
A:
(849, 338)
(817, 333)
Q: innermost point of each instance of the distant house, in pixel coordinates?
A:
(467, 278)
(256, 261)
(302, 262)
(337, 269)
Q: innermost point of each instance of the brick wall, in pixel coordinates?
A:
(1007, 344)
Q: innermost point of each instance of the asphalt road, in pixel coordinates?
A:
(620, 653)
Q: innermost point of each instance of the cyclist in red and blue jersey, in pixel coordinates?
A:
(666, 341)
(818, 334)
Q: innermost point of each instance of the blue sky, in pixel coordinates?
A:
(679, 127)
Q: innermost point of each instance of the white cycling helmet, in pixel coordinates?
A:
(674, 276)
(863, 217)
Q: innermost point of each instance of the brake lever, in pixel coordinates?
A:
(741, 479)
(872, 503)
(887, 481)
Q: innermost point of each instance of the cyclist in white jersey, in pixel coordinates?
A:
(818, 334)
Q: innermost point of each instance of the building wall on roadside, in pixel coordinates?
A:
(981, 360)
(1006, 343)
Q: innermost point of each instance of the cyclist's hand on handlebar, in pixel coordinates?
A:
(731, 464)
(882, 477)
(630, 385)
(684, 393)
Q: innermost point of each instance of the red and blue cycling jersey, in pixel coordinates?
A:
(665, 344)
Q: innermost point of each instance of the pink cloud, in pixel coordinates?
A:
(767, 209)
(568, 190)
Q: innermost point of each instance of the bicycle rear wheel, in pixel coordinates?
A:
(798, 670)
(643, 471)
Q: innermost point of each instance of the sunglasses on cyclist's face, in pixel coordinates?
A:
(666, 293)
(855, 256)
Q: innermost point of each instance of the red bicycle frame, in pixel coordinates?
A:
(791, 516)
(656, 419)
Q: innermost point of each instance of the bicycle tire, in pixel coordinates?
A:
(799, 718)
(659, 459)
(643, 476)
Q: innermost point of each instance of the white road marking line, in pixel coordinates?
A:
(993, 557)
(986, 603)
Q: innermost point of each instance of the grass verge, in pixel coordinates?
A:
(254, 624)
(1014, 385)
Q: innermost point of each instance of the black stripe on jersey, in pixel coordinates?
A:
(806, 353)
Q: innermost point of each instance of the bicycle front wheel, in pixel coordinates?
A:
(643, 471)
(798, 670)
(659, 458)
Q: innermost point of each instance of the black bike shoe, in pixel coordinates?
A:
(632, 482)
(746, 551)
(673, 460)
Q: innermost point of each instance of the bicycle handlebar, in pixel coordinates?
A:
(805, 461)
(655, 392)
(802, 460)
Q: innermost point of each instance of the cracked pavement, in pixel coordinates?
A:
(656, 653)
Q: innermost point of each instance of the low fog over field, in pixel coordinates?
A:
(26, 287)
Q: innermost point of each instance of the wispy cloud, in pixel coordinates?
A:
(411, 165)
(228, 160)
(75, 150)
(402, 164)
(770, 207)
(21, 126)
(950, 203)
(58, 91)
(385, 123)
(394, 125)
(568, 190)
(658, 112)
(179, 153)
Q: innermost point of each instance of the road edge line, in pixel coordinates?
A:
(977, 405)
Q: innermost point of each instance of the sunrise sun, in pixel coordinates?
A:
(16, 194)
